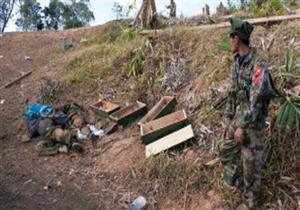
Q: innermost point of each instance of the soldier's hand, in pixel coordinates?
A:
(238, 135)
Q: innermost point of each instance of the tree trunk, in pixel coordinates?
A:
(146, 17)
(6, 11)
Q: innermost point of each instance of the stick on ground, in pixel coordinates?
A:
(16, 80)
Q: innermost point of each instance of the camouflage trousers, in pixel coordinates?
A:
(242, 163)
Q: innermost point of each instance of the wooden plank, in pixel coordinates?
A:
(169, 141)
(16, 80)
(163, 126)
(129, 114)
(165, 106)
(253, 21)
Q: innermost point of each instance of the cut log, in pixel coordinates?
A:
(16, 80)
(253, 21)
(169, 141)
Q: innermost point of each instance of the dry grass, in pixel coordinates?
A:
(165, 175)
(207, 63)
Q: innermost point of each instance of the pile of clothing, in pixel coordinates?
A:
(61, 129)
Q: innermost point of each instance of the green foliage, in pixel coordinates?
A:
(81, 70)
(136, 65)
(77, 14)
(100, 55)
(232, 7)
(112, 33)
(118, 10)
(6, 8)
(54, 14)
(289, 111)
(30, 15)
(267, 8)
(289, 114)
(224, 45)
(290, 66)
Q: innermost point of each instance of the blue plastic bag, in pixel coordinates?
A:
(37, 110)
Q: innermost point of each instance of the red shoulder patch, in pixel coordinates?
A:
(257, 76)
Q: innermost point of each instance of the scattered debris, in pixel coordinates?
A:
(1, 56)
(27, 58)
(25, 139)
(37, 111)
(28, 181)
(2, 101)
(176, 75)
(97, 132)
(64, 128)
(81, 136)
(66, 46)
(139, 203)
(16, 80)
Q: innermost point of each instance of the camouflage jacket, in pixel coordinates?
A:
(249, 88)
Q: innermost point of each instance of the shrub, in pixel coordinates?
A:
(268, 8)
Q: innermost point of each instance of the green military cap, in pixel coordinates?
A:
(242, 29)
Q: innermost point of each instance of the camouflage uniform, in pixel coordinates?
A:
(246, 108)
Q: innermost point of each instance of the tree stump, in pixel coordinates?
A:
(146, 17)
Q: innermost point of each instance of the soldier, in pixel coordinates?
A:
(172, 8)
(245, 115)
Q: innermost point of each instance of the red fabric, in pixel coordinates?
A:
(257, 76)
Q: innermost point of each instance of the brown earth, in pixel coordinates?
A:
(92, 180)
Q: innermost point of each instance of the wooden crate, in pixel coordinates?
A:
(163, 126)
(105, 108)
(168, 141)
(129, 114)
(165, 106)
